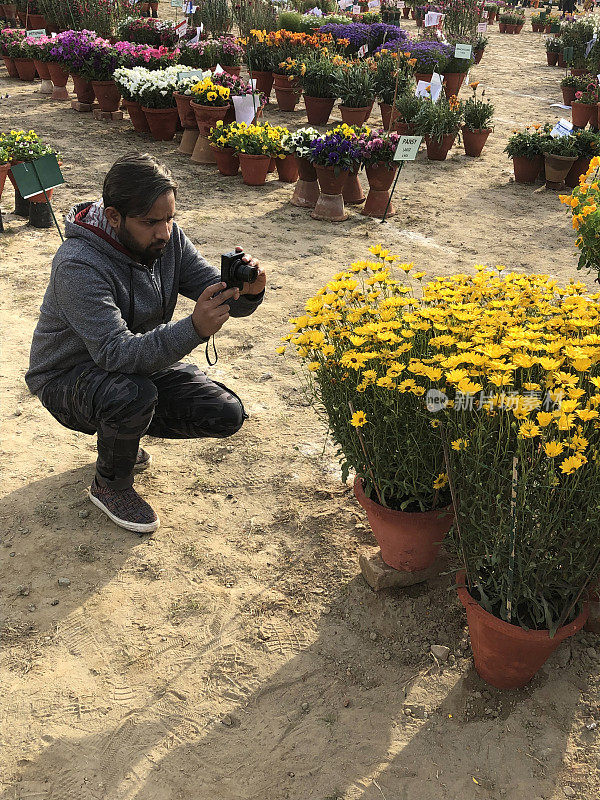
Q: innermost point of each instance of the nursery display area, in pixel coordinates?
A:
(386, 584)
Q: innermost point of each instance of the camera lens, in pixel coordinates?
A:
(243, 272)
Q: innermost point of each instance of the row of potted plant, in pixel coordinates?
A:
(511, 361)
(563, 158)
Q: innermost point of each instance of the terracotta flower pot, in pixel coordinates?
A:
(254, 169)
(423, 76)
(593, 622)
(287, 97)
(4, 168)
(36, 22)
(59, 76)
(409, 541)
(185, 110)
(25, 69)
(42, 69)
(284, 82)
(568, 93)
(330, 205)
(306, 191)
(582, 113)
(10, 10)
(264, 81)
(84, 90)
(502, 27)
(272, 166)
(287, 169)
(578, 71)
(386, 115)
(228, 162)
(438, 150)
(527, 169)
(162, 123)
(507, 656)
(478, 55)
(404, 128)
(22, 17)
(405, 12)
(579, 167)
(206, 118)
(9, 63)
(107, 94)
(355, 116)
(353, 192)
(452, 82)
(318, 109)
(552, 58)
(137, 116)
(474, 140)
(40, 198)
(380, 177)
(233, 71)
(561, 61)
(557, 169)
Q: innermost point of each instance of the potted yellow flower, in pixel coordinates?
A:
(210, 103)
(255, 145)
(228, 162)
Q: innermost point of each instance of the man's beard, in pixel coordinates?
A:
(146, 256)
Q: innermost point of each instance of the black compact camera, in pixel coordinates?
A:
(235, 272)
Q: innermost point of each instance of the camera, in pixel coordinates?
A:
(235, 272)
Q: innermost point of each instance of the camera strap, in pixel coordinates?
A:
(207, 352)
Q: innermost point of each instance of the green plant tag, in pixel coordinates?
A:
(408, 147)
(37, 33)
(543, 16)
(568, 54)
(555, 28)
(33, 177)
(463, 51)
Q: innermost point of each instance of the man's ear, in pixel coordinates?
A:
(113, 216)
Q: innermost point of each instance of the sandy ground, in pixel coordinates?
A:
(239, 653)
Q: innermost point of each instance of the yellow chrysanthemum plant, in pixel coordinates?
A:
(584, 203)
(358, 353)
(517, 402)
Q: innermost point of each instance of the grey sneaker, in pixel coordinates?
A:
(143, 460)
(125, 508)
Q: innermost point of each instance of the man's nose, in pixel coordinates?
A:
(163, 232)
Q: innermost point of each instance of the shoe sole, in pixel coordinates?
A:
(143, 465)
(135, 527)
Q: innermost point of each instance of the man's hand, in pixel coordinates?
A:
(261, 279)
(211, 311)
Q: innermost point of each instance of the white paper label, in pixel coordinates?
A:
(190, 73)
(408, 147)
(436, 78)
(374, 4)
(244, 106)
(400, 4)
(427, 89)
(356, 9)
(589, 46)
(176, 3)
(37, 33)
(481, 27)
(462, 51)
(362, 51)
(432, 18)
(562, 128)
(181, 29)
(219, 70)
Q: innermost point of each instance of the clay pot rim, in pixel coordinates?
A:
(356, 108)
(479, 130)
(515, 631)
(158, 110)
(212, 108)
(376, 508)
(561, 158)
(252, 155)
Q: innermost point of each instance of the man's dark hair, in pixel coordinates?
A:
(134, 183)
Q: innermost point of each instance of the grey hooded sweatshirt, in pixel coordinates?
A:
(103, 306)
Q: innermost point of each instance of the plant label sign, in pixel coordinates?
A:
(589, 45)
(181, 29)
(481, 27)
(37, 33)
(427, 89)
(176, 3)
(408, 147)
(432, 18)
(362, 51)
(568, 54)
(562, 128)
(463, 51)
(437, 78)
(32, 177)
(192, 73)
(356, 10)
(245, 108)
(400, 4)
(374, 4)
(555, 28)
(218, 70)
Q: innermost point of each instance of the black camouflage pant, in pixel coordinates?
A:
(179, 402)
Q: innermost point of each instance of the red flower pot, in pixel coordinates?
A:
(380, 177)
(25, 69)
(59, 76)
(185, 111)
(137, 116)
(452, 82)
(551, 58)
(582, 113)
(39, 198)
(162, 123)
(353, 192)
(10, 10)
(254, 169)
(283, 82)
(578, 71)
(405, 128)
(423, 76)
(405, 12)
(4, 169)
(386, 115)
(287, 169)
(438, 150)
(84, 90)
(561, 61)
(264, 81)
(287, 97)
(330, 204)
(206, 119)
(474, 140)
(355, 116)
(568, 93)
(107, 94)
(233, 71)
(507, 656)
(36, 22)
(9, 63)
(306, 191)
(579, 167)
(502, 27)
(42, 69)
(318, 109)
(409, 541)
(228, 162)
(527, 169)
(478, 55)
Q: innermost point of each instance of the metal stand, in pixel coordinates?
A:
(389, 202)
